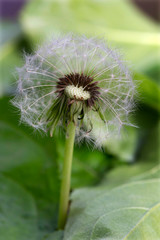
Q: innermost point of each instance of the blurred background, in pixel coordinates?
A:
(35, 161)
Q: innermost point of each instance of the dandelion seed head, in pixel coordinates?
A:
(79, 79)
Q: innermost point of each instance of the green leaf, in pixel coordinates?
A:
(118, 176)
(130, 173)
(23, 160)
(57, 235)
(142, 223)
(119, 21)
(148, 91)
(9, 58)
(18, 215)
(124, 174)
(126, 211)
(150, 174)
(125, 146)
(88, 166)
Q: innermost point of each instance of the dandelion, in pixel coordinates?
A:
(79, 84)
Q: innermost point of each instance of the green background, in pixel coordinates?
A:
(30, 164)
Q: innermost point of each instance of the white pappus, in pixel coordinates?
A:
(79, 79)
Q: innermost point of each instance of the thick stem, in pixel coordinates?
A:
(66, 175)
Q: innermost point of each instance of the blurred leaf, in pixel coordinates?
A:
(129, 211)
(154, 71)
(9, 57)
(18, 216)
(88, 166)
(119, 21)
(9, 60)
(147, 149)
(25, 161)
(124, 146)
(128, 173)
(118, 176)
(150, 174)
(148, 91)
(142, 223)
(137, 144)
(58, 235)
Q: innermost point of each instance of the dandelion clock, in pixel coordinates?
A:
(79, 84)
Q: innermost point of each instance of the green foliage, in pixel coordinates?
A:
(146, 88)
(18, 214)
(115, 192)
(58, 235)
(9, 57)
(127, 212)
(128, 173)
(118, 21)
(25, 161)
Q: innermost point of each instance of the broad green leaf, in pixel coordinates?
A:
(119, 21)
(114, 214)
(150, 174)
(142, 223)
(118, 176)
(18, 215)
(127, 173)
(57, 235)
(25, 161)
(130, 173)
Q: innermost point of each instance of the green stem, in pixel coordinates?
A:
(66, 175)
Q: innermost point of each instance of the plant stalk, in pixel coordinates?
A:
(66, 175)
